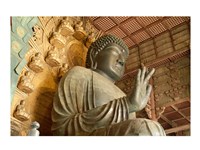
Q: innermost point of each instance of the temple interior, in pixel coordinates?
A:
(43, 49)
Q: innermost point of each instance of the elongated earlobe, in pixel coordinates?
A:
(95, 65)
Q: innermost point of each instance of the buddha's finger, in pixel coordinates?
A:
(138, 76)
(143, 74)
(149, 75)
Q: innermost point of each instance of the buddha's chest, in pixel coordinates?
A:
(105, 92)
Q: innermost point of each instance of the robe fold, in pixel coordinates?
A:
(77, 110)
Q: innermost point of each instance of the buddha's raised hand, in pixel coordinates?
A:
(141, 91)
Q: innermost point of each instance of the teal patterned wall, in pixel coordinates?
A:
(21, 32)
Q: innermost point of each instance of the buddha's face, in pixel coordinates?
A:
(111, 61)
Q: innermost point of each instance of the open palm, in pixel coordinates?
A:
(142, 89)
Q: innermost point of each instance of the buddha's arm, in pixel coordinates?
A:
(112, 112)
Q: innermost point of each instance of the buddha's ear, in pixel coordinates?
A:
(94, 65)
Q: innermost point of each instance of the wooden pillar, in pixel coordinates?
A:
(152, 101)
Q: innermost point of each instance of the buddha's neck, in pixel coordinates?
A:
(105, 75)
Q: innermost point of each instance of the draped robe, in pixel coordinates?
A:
(87, 103)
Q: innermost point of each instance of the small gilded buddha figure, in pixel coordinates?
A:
(36, 63)
(79, 31)
(65, 27)
(53, 58)
(25, 83)
(20, 112)
(58, 40)
(89, 103)
(79, 26)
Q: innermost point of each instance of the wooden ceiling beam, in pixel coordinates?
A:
(159, 61)
(171, 123)
(175, 108)
(175, 120)
(141, 29)
(176, 102)
(185, 108)
(148, 26)
(144, 27)
(121, 27)
(177, 129)
(118, 24)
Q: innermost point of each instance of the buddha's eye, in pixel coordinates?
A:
(120, 62)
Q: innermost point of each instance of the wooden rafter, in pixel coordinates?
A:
(177, 129)
(176, 102)
(175, 108)
(158, 62)
(171, 123)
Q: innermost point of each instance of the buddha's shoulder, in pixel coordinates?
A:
(80, 71)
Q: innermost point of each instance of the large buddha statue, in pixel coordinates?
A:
(89, 103)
